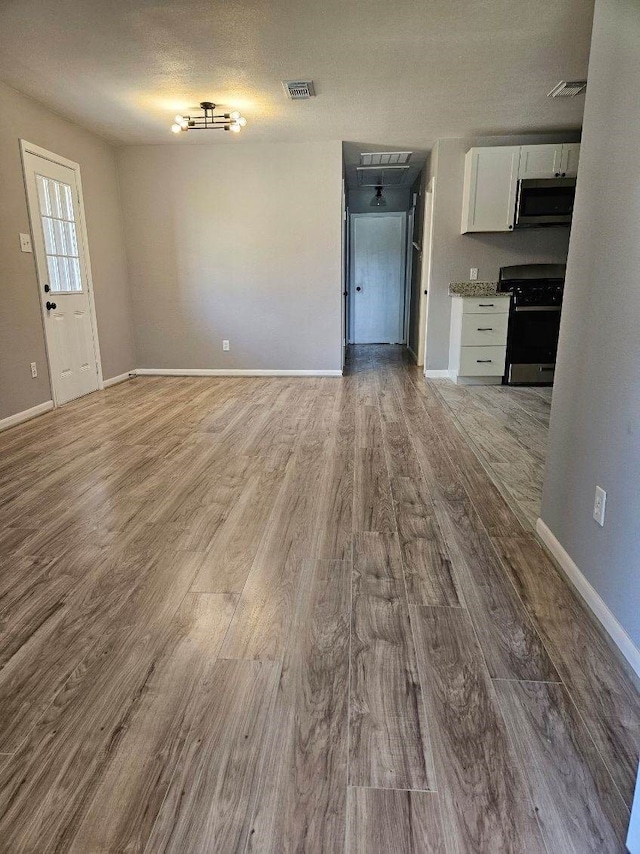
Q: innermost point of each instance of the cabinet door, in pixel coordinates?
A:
(570, 158)
(540, 161)
(490, 181)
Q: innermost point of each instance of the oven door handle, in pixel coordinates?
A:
(538, 308)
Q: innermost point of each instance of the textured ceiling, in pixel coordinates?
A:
(400, 73)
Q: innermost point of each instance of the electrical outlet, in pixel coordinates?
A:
(599, 505)
(34, 369)
(225, 343)
(25, 243)
(473, 274)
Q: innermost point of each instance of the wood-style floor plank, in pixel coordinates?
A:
(428, 571)
(597, 682)
(389, 739)
(372, 505)
(47, 784)
(511, 645)
(578, 806)
(126, 800)
(262, 621)
(212, 793)
(302, 798)
(484, 800)
(385, 820)
(233, 545)
(38, 669)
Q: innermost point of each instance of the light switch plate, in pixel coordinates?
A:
(473, 274)
(599, 505)
(25, 243)
(225, 344)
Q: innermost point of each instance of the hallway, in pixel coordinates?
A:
(277, 614)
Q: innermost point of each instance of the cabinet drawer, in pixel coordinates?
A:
(480, 330)
(482, 361)
(485, 305)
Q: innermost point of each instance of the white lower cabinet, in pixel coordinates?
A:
(478, 339)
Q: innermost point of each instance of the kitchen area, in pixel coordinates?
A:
(495, 367)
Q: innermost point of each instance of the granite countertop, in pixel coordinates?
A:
(475, 289)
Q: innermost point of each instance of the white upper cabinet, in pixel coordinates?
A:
(540, 161)
(490, 183)
(570, 158)
(549, 161)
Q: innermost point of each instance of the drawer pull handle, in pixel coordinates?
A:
(485, 328)
(481, 361)
(486, 305)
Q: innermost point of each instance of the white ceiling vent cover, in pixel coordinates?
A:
(299, 90)
(384, 158)
(568, 89)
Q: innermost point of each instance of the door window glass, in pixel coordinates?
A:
(60, 237)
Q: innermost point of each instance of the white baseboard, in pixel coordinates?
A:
(25, 415)
(437, 375)
(593, 599)
(231, 372)
(119, 379)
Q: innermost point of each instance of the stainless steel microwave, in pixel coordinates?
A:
(545, 201)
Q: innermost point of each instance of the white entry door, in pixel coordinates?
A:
(377, 285)
(63, 280)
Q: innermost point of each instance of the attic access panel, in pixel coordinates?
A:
(389, 176)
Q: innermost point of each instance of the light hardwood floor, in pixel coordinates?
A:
(282, 615)
(506, 426)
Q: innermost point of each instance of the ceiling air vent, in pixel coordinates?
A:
(384, 158)
(299, 90)
(569, 89)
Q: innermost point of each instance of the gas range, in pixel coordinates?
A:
(537, 292)
(534, 321)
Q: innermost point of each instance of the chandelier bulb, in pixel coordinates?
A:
(235, 115)
(241, 121)
(235, 127)
(176, 128)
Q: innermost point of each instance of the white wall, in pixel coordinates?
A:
(21, 332)
(595, 419)
(239, 242)
(454, 253)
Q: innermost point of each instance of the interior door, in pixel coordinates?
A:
(378, 278)
(54, 209)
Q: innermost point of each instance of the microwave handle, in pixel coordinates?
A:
(516, 213)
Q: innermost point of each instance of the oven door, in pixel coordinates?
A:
(532, 344)
(545, 201)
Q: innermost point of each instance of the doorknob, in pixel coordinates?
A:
(358, 288)
(50, 305)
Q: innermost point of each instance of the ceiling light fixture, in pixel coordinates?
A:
(378, 201)
(210, 121)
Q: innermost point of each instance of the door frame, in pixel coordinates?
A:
(30, 148)
(352, 218)
(408, 269)
(425, 277)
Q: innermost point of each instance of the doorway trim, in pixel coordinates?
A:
(425, 277)
(408, 271)
(30, 148)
